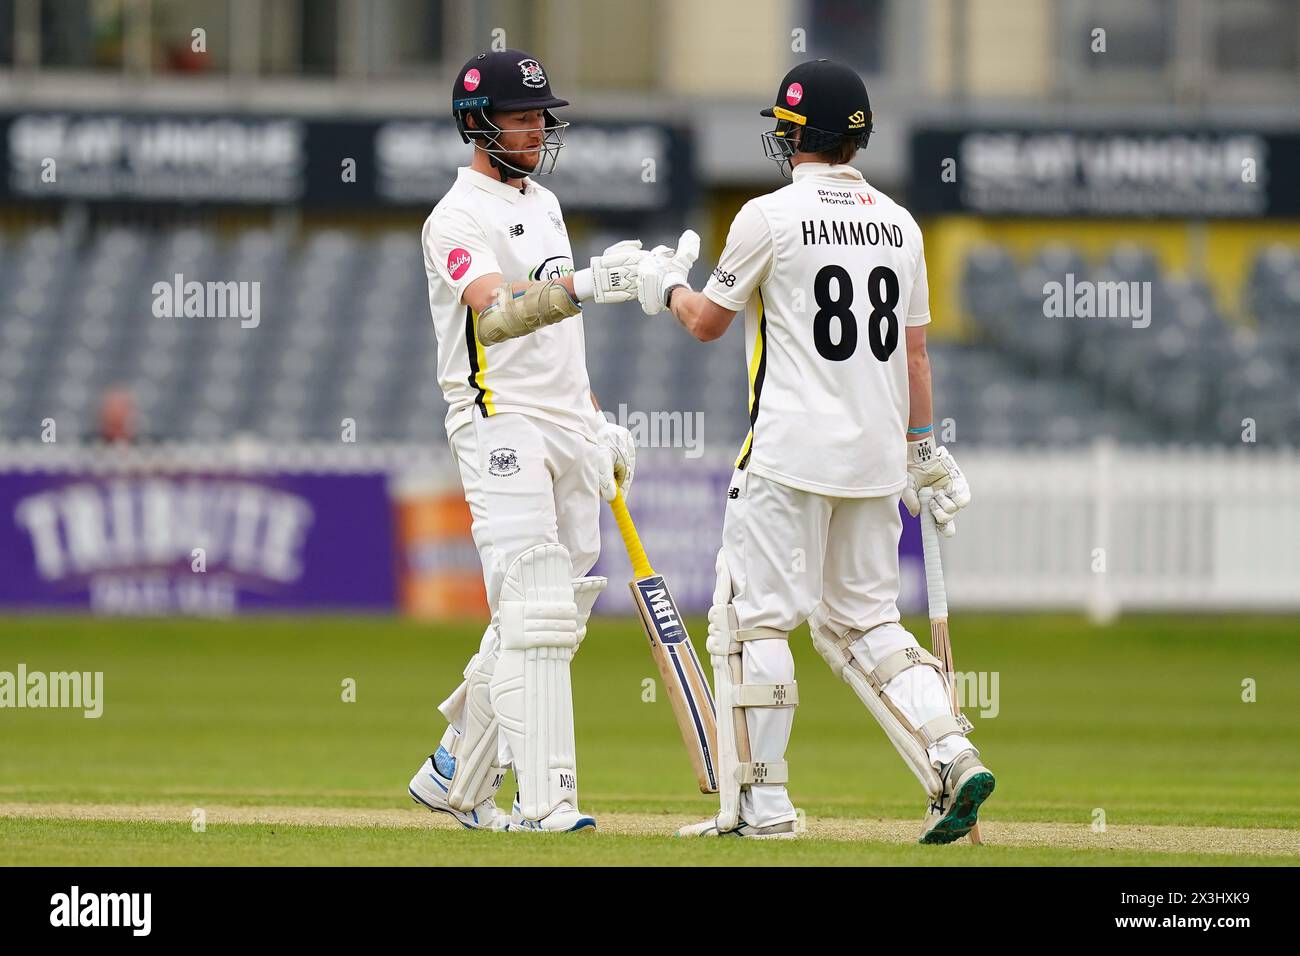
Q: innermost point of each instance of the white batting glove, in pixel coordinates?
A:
(615, 459)
(664, 268)
(613, 274)
(930, 467)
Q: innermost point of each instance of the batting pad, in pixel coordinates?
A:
(531, 690)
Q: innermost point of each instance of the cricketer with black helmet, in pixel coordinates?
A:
(534, 452)
(830, 274)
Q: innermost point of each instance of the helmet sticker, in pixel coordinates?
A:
(533, 76)
(472, 79)
(458, 261)
(794, 93)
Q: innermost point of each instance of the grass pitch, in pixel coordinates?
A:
(1141, 725)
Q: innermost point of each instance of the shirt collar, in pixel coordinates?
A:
(491, 184)
(827, 171)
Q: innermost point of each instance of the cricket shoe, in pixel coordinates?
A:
(709, 828)
(429, 787)
(563, 819)
(966, 785)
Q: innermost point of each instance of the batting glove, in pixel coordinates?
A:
(615, 459)
(613, 274)
(932, 467)
(664, 268)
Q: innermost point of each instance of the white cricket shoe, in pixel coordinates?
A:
(429, 788)
(967, 783)
(709, 828)
(563, 819)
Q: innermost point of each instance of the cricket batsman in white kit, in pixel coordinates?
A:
(535, 454)
(830, 273)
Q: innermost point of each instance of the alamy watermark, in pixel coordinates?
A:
(208, 300)
(1085, 299)
(663, 429)
(74, 690)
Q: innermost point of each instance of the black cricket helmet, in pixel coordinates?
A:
(506, 81)
(827, 102)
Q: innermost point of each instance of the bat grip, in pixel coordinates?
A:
(631, 540)
(936, 594)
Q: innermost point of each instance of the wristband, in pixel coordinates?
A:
(921, 431)
(668, 296)
(584, 286)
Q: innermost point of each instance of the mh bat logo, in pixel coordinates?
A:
(663, 611)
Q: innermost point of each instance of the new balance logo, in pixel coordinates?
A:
(516, 231)
(733, 492)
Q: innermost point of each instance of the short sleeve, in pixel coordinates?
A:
(746, 260)
(456, 246)
(918, 306)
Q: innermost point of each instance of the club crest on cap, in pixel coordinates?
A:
(534, 78)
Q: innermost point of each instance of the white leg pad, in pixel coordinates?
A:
(737, 768)
(531, 691)
(911, 739)
(472, 737)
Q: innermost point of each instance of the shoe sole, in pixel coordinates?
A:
(965, 811)
(585, 824)
(429, 806)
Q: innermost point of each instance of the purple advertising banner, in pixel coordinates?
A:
(196, 543)
(678, 511)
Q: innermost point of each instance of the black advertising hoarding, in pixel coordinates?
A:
(264, 159)
(1105, 172)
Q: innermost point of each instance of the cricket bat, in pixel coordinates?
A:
(937, 599)
(674, 654)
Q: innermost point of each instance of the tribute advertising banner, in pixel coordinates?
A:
(204, 544)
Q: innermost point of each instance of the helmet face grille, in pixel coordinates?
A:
(488, 138)
(779, 144)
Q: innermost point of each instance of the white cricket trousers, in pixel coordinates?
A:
(789, 552)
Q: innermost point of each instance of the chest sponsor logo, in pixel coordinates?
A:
(556, 267)
(458, 261)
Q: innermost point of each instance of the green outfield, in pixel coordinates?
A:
(1141, 723)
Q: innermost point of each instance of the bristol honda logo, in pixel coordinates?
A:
(458, 261)
(794, 93)
(866, 199)
(534, 78)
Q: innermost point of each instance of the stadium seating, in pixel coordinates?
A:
(344, 332)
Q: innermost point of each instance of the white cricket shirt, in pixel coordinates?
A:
(481, 226)
(828, 270)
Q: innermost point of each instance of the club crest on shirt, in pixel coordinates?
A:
(558, 223)
(503, 462)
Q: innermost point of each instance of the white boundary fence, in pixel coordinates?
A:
(1113, 527)
(1099, 529)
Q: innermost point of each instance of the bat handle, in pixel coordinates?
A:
(631, 540)
(936, 593)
